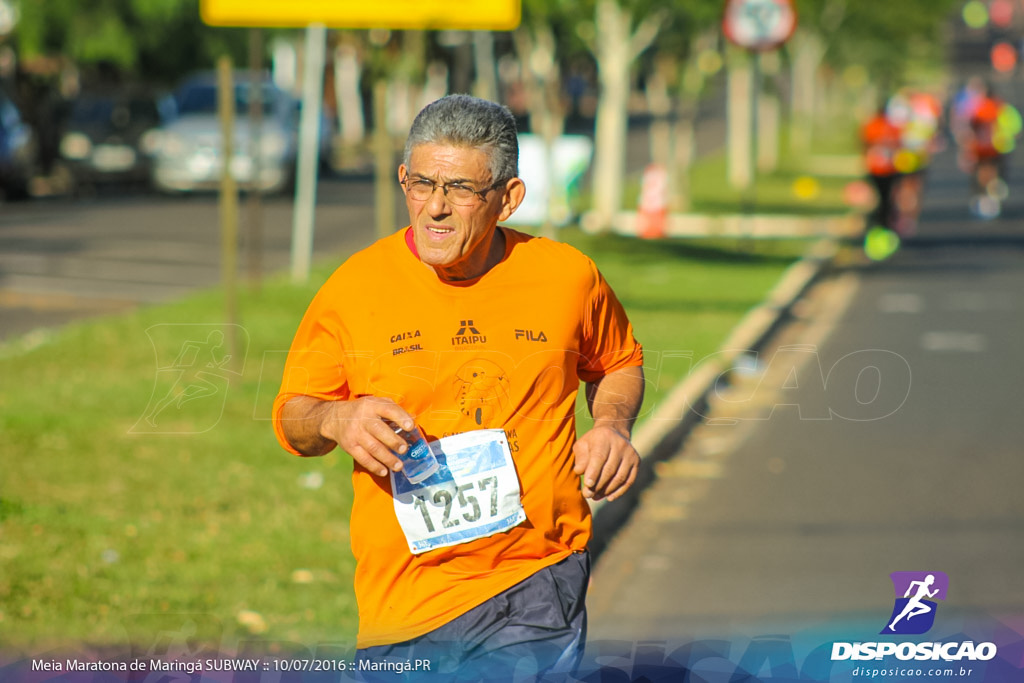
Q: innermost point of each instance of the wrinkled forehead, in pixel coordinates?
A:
(450, 161)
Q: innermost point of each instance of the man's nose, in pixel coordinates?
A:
(438, 205)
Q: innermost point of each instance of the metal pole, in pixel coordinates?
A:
(309, 134)
(755, 96)
(228, 203)
(383, 161)
(255, 212)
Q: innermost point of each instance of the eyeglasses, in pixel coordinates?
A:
(422, 189)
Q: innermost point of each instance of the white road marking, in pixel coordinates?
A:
(901, 303)
(970, 342)
(975, 302)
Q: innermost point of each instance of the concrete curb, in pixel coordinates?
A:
(661, 435)
(758, 226)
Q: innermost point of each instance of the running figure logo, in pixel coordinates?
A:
(914, 612)
(193, 373)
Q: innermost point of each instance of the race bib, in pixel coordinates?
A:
(474, 493)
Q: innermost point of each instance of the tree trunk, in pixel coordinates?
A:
(685, 147)
(684, 134)
(768, 114)
(406, 82)
(486, 83)
(659, 104)
(807, 52)
(613, 61)
(541, 78)
(351, 121)
(740, 141)
(767, 132)
(436, 85)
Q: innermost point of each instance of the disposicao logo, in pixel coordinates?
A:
(916, 593)
(913, 614)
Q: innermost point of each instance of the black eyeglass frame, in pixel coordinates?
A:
(481, 194)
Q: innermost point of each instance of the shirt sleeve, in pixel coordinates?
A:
(315, 365)
(608, 344)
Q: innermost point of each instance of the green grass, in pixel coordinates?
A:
(115, 530)
(103, 527)
(773, 192)
(685, 296)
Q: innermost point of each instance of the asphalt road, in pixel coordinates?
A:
(64, 258)
(881, 432)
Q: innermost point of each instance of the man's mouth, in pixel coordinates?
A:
(439, 229)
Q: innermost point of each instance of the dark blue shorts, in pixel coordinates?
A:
(534, 630)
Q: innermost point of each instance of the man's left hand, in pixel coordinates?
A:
(608, 462)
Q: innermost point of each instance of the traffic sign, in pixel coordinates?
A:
(493, 15)
(759, 24)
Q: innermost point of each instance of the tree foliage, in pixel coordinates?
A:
(884, 37)
(573, 22)
(158, 40)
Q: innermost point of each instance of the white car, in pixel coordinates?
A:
(189, 151)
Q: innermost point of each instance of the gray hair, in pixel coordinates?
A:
(465, 121)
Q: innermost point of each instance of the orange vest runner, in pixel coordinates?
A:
(506, 350)
(881, 140)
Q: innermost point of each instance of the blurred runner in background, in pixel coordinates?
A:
(989, 136)
(898, 143)
(961, 108)
(880, 138)
(917, 114)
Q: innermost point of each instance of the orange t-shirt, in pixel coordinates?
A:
(506, 350)
(881, 140)
(983, 126)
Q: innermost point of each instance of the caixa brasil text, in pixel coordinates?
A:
(947, 652)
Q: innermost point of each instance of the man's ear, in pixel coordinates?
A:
(401, 176)
(512, 197)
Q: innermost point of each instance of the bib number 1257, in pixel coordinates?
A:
(474, 493)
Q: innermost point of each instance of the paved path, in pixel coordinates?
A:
(63, 259)
(882, 433)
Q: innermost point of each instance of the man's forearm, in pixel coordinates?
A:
(615, 399)
(302, 418)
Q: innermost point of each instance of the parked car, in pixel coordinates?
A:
(18, 150)
(110, 135)
(189, 150)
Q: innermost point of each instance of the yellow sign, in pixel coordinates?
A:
(492, 15)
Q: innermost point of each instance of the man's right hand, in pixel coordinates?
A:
(314, 426)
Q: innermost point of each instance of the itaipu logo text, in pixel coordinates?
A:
(913, 613)
(468, 334)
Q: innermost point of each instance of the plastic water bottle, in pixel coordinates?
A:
(418, 461)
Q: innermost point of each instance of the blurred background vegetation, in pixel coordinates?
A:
(164, 39)
(589, 67)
